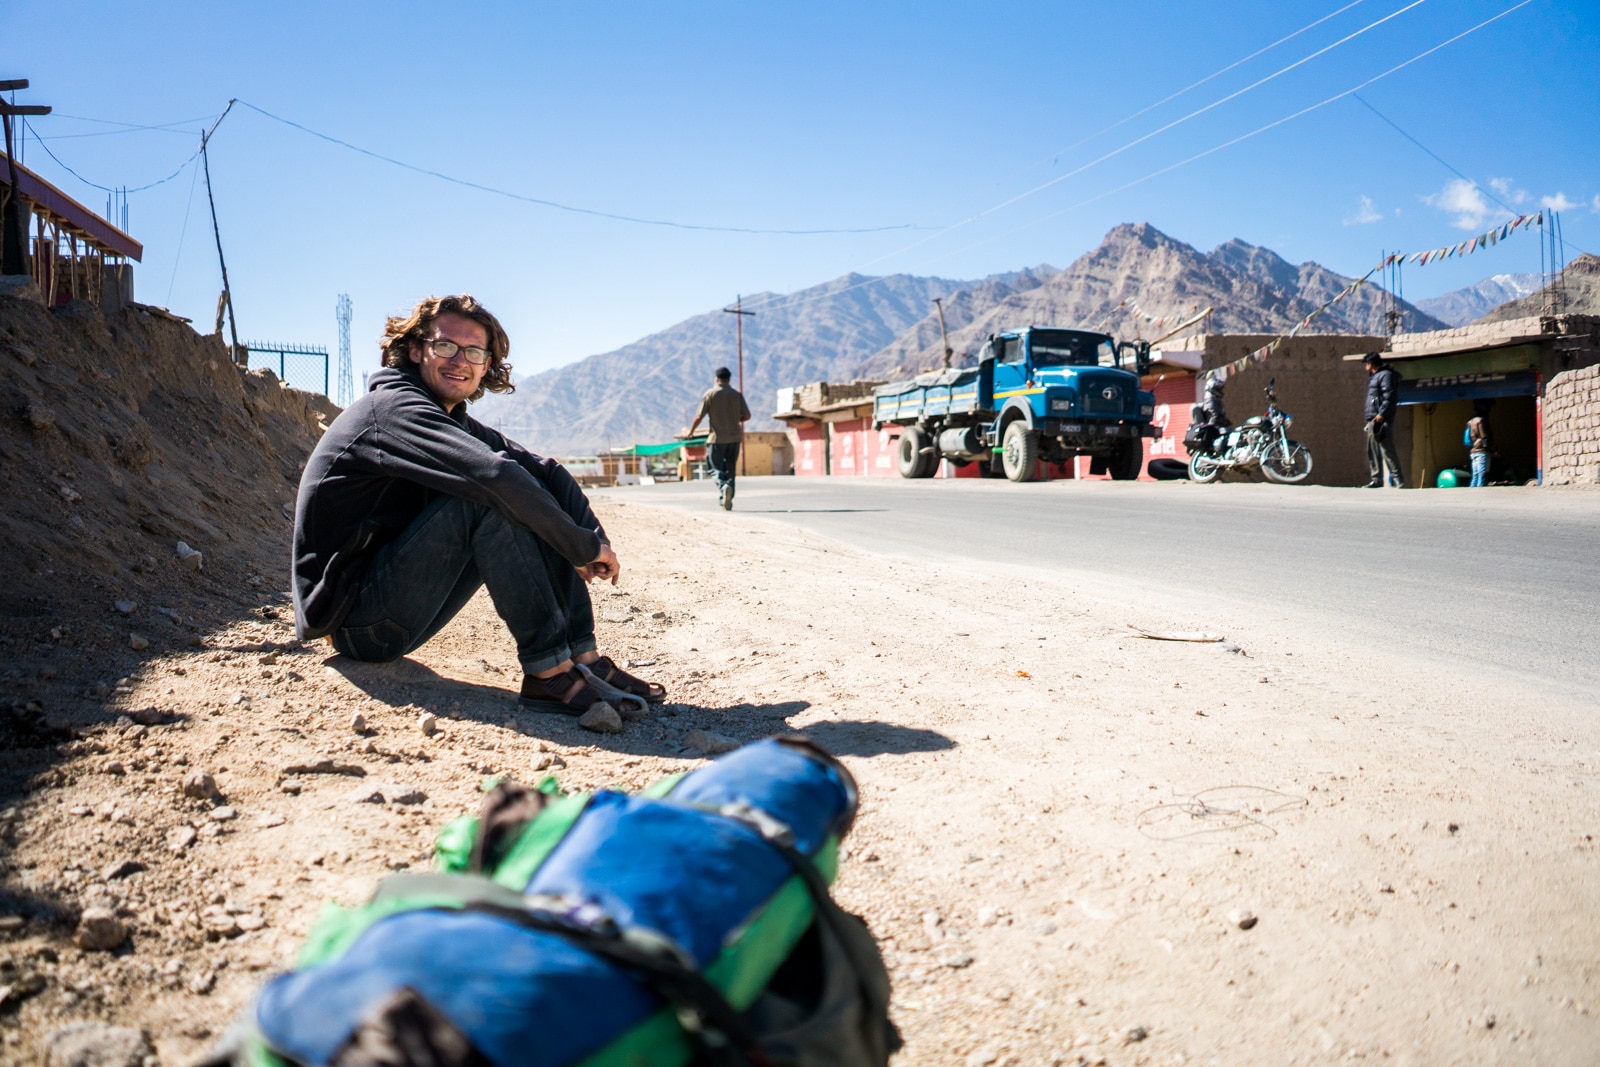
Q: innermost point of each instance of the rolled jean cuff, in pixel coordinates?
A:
(544, 663)
(585, 645)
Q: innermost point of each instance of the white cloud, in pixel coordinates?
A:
(1594, 204)
(1559, 202)
(1464, 200)
(1366, 213)
(1507, 192)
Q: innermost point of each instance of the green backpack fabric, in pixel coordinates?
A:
(801, 984)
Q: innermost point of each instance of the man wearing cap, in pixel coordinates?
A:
(1383, 397)
(723, 407)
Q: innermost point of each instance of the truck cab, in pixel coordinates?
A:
(1069, 393)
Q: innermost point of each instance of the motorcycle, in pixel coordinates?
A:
(1261, 441)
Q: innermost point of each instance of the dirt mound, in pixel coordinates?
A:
(123, 435)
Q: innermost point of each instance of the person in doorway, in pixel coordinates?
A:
(408, 506)
(1480, 442)
(1383, 397)
(725, 411)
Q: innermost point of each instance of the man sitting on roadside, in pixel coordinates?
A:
(408, 505)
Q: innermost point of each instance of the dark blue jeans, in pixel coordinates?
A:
(724, 460)
(420, 580)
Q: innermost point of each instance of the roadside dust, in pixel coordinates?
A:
(1064, 828)
(1076, 846)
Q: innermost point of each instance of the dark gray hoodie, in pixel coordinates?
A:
(386, 458)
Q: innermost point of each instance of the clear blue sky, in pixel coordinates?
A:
(785, 116)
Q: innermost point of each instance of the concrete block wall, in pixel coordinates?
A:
(1572, 428)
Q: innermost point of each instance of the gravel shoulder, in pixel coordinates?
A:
(1067, 830)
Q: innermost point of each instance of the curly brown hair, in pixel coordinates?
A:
(399, 334)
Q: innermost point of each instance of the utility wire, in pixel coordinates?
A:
(188, 124)
(1145, 137)
(97, 185)
(560, 206)
(112, 133)
(1436, 157)
(177, 255)
(1259, 130)
(1440, 159)
(1209, 77)
(1056, 155)
(1184, 162)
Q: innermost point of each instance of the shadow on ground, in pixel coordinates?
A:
(406, 681)
(867, 738)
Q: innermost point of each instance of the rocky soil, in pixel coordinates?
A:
(1076, 845)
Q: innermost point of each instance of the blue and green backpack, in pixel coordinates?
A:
(690, 924)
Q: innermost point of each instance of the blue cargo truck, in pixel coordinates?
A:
(1038, 394)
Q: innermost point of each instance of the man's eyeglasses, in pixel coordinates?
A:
(448, 349)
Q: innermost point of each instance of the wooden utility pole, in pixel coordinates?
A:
(13, 260)
(738, 312)
(240, 357)
(938, 302)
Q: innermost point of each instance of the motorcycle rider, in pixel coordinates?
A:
(1212, 407)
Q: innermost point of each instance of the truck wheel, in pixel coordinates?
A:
(911, 459)
(1127, 460)
(1019, 452)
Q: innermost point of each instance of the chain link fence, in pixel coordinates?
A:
(304, 367)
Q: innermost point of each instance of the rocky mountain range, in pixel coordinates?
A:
(646, 391)
(1462, 306)
(855, 327)
(1138, 271)
(1578, 293)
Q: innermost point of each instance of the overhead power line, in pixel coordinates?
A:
(567, 207)
(1258, 130)
(1180, 163)
(1145, 137)
(108, 188)
(1209, 77)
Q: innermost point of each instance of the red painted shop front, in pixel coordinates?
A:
(857, 450)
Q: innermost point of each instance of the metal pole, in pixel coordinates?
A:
(944, 337)
(738, 312)
(227, 291)
(13, 258)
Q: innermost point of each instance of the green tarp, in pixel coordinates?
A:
(661, 450)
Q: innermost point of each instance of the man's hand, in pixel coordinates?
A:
(606, 567)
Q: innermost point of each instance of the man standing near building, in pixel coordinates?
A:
(408, 506)
(1383, 398)
(724, 409)
(1480, 442)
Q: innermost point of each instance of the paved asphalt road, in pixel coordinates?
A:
(1499, 579)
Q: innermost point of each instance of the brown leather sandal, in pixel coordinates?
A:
(606, 669)
(568, 693)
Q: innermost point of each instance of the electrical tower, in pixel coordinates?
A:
(347, 385)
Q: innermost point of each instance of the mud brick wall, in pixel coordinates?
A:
(1572, 428)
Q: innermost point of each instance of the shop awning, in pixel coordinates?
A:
(1438, 389)
(662, 449)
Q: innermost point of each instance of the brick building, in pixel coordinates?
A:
(1572, 427)
(1536, 378)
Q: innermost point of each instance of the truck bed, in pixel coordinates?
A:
(931, 394)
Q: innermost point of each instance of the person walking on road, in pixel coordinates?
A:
(1480, 442)
(408, 506)
(724, 409)
(1383, 397)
